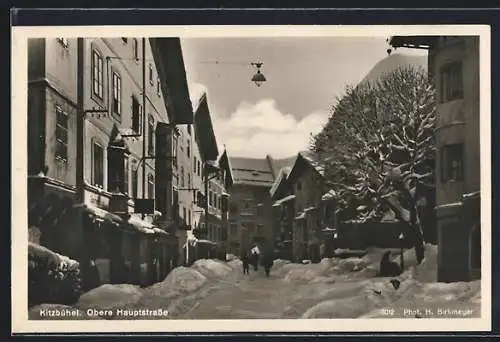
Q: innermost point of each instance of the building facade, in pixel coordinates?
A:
(454, 69)
(101, 113)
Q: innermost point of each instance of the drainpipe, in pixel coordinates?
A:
(80, 123)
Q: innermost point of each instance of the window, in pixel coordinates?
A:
(125, 40)
(61, 134)
(136, 115)
(189, 129)
(199, 168)
(97, 165)
(451, 82)
(135, 47)
(117, 98)
(189, 218)
(194, 165)
(151, 129)
(184, 214)
(182, 177)
(150, 74)
(125, 176)
(134, 182)
(188, 151)
(452, 162)
(97, 74)
(158, 86)
(151, 186)
(189, 181)
(63, 41)
(299, 186)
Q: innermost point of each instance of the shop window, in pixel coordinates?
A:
(135, 176)
(61, 134)
(452, 162)
(451, 82)
(151, 187)
(97, 165)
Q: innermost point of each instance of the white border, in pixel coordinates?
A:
(20, 323)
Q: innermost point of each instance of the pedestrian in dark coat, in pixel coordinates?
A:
(246, 263)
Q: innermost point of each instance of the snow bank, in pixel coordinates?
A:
(212, 268)
(110, 297)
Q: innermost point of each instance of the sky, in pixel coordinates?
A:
(304, 76)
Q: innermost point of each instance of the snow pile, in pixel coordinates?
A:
(231, 257)
(110, 297)
(180, 281)
(350, 298)
(212, 268)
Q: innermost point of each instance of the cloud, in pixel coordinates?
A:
(255, 130)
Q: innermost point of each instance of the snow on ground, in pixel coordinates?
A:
(110, 297)
(182, 288)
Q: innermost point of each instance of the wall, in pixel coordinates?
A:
(246, 199)
(458, 120)
(130, 71)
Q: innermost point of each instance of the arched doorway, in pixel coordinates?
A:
(475, 251)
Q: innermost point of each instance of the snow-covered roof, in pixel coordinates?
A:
(282, 175)
(300, 216)
(329, 195)
(283, 200)
(196, 93)
(101, 213)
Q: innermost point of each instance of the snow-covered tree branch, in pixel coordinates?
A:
(378, 148)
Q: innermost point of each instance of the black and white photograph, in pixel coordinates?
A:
(234, 175)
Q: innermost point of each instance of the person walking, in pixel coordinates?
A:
(246, 263)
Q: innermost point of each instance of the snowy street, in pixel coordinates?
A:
(334, 288)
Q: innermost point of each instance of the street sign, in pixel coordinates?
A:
(144, 206)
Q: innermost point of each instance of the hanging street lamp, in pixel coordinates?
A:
(258, 78)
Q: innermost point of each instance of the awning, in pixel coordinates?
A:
(329, 195)
(141, 225)
(102, 215)
(301, 216)
(309, 209)
(205, 242)
(283, 200)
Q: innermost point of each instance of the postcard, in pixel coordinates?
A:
(251, 178)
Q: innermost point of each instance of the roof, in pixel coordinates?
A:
(308, 158)
(331, 194)
(224, 163)
(282, 176)
(251, 171)
(278, 164)
(207, 142)
(283, 200)
(167, 54)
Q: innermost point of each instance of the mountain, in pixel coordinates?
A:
(391, 63)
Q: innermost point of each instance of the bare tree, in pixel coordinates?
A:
(378, 149)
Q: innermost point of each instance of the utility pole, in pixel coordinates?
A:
(143, 120)
(80, 122)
